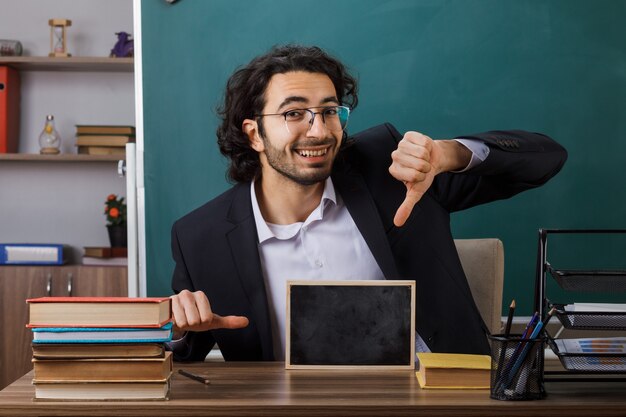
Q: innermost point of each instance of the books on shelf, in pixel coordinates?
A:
(453, 371)
(105, 130)
(93, 260)
(98, 312)
(127, 391)
(102, 334)
(105, 251)
(97, 350)
(104, 140)
(101, 150)
(32, 254)
(103, 370)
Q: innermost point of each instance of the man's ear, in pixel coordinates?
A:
(251, 129)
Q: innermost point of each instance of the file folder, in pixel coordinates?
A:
(9, 109)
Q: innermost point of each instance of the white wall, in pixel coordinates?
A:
(53, 202)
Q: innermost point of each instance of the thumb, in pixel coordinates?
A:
(413, 196)
(229, 322)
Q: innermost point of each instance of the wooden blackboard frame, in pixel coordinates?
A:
(361, 283)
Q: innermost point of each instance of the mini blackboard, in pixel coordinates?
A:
(350, 324)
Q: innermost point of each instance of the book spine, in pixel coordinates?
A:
(31, 254)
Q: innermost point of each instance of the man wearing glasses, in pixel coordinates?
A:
(313, 203)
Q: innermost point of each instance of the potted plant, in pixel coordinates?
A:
(115, 212)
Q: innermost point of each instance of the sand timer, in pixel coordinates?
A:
(58, 37)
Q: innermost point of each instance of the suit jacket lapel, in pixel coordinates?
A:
(243, 239)
(362, 208)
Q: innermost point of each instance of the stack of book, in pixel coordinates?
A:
(103, 140)
(101, 348)
(102, 255)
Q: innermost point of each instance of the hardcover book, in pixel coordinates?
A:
(97, 350)
(103, 140)
(101, 150)
(92, 260)
(105, 252)
(102, 334)
(102, 391)
(103, 370)
(98, 312)
(453, 371)
(104, 130)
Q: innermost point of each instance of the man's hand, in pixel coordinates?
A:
(416, 162)
(192, 312)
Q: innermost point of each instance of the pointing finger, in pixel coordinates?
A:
(229, 322)
(413, 196)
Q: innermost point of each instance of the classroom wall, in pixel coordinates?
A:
(63, 202)
(442, 67)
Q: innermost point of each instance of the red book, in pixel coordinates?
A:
(99, 312)
(9, 109)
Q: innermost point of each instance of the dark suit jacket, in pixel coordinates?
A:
(215, 246)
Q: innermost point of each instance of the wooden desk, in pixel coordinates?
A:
(267, 389)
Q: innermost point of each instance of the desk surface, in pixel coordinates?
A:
(267, 389)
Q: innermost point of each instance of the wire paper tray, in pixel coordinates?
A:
(590, 362)
(590, 320)
(589, 280)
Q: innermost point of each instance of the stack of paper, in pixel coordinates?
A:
(594, 354)
(101, 348)
(599, 314)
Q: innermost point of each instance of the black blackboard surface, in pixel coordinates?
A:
(350, 323)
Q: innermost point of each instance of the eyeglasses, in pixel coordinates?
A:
(297, 121)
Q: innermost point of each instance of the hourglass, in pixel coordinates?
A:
(58, 39)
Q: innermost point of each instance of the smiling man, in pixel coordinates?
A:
(313, 203)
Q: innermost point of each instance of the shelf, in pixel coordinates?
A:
(589, 280)
(590, 363)
(34, 157)
(591, 320)
(83, 64)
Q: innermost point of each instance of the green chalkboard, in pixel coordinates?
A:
(443, 68)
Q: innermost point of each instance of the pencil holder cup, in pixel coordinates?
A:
(516, 368)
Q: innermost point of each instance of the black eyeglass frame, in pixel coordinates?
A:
(313, 114)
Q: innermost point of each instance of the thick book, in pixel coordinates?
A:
(98, 312)
(103, 140)
(101, 150)
(92, 260)
(103, 391)
(453, 371)
(102, 334)
(105, 251)
(103, 370)
(97, 350)
(32, 254)
(105, 130)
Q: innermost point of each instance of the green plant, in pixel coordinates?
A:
(115, 210)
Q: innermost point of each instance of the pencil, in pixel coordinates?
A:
(194, 376)
(518, 363)
(509, 319)
(504, 346)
